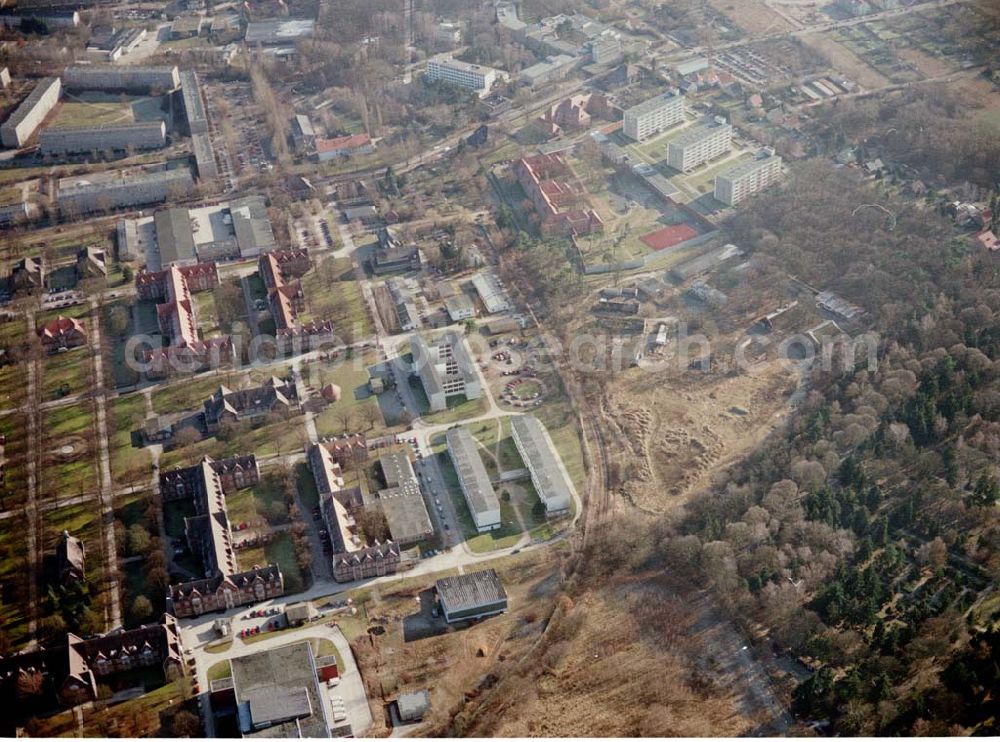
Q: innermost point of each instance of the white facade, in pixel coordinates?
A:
(542, 460)
(21, 124)
(121, 78)
(699, 145)
(152, 135)
(473, 76)
(746, 178)
(653, 116)
(473, 479)
(446, 370)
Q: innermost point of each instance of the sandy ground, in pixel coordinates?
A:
(683, 427)
(846, 61)
(752, 16)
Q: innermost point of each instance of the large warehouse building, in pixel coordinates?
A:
(117, 137)
(473, 479)
(20, 125)
(544, 465)
(471, 596)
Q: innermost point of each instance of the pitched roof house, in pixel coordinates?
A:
(62, 333)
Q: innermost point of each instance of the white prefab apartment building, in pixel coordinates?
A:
(445, 369)
(543, 463)
(474, 480)
(118, 137)
(698, 145)
(746, 178)
(21, 124)
(653, 116)
(476, 77)
(110, 77)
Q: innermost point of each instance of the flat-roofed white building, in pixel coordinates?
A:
(125, 77)
(746, 178)
(116, 137)
(652, 116)
(445, 369)
(540, 456)
(491, 292)
(698, 145)
(20, 125)
(123, 191)
(476, 77)
(473, 479)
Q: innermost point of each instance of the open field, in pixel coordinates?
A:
(279, 551)
(80, 113)
(126, 415)
(68, 456)
(66, 373)
(753, 16)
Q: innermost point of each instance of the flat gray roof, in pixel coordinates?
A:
(750, 166)
(542, 461)
(471, 590)
(281, 31)
(696, 134)
(652, 104)
(472, 474)
(174, 238)
(29, 103)
(266, 680)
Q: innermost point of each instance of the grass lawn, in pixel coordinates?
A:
(66, 373)
(78, 113)
(284, 436)
(205, 311)
(332, 293)
(12, 376)
(220, 670)
(459, 408)
(174, 513)
(307, 487)
(77, 311)
(505, 536)
(280, 551)
(14, 490)
(351, 375)
(189, 394)
(128, 463)
(264, 501)
(558, 419)
(13, 579)
(72, 473)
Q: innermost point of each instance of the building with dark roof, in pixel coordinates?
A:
(209, 536)
(62, 333)
(71, 560)
(174, 240)
(274, 396)
(67, 672)
(471, 596)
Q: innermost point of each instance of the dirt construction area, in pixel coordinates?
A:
(678, 427)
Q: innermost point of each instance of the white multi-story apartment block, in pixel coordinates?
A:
(446, 370)
(124, 191)
(117, 137)
(739, 181)
(476, 77)
(548, 474)
(21, 124)
(698, 145)
(473, 479)
(163, 79)
(653, 116)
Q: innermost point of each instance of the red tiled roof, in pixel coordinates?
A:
(670, 236)
(354, 141)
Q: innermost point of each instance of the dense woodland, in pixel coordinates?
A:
(865, 540)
